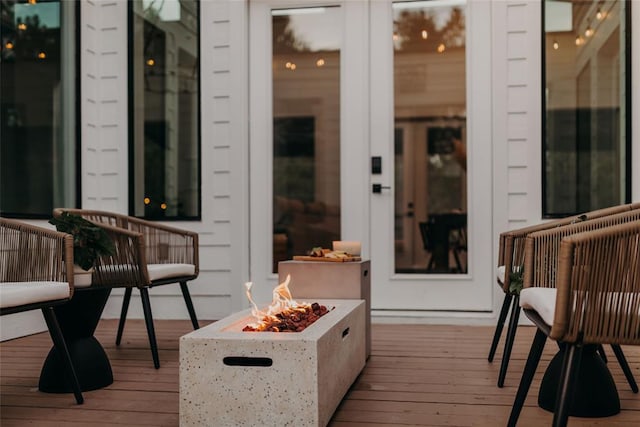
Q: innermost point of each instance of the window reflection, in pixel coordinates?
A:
(37, 169)
(165, 103)
(306, 130)
(430, 137)
(586, 93)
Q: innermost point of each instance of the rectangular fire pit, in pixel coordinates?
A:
(234, 378)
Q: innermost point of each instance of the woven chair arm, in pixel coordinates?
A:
(127, 267)
(166, 244)
(542, 248)
(598, 298)
(32, 253)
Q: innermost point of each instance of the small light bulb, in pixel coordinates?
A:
(151, 62)
(588, 32)
(599, 15)
(9, 45)
(147, 200)
(42, 55)
(22, 26)
(163, 206)
(425, 34)
(293, 67)
(287, 65)
(395, 37)
(320, 62)
(441, 48)
(555, 45)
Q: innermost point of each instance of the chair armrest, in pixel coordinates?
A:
(166, 244)
(31, 253)
(127, 267)
(542, 247)
(598, 282)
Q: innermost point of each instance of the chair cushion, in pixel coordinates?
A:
(166, 271)
(542, 300)
(500, 271)
(14, 294)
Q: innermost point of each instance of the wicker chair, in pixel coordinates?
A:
(34, 267)
(582, 289)
(147, 255)
(511, 261)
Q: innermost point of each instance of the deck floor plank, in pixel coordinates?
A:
(417, 375)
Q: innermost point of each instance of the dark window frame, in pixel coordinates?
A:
(131, 120)
(77, 128)
(628, 96)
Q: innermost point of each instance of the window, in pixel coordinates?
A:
(37, 107)
(165, 109)
(586, 102)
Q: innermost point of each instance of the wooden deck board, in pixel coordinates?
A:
(417, 375)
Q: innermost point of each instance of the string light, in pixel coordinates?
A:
(589, 31)
(163, 206)
(579, 40)
(600, 15)
(395, 37)
(9, 45)
(425, 34)
(441, 48)
(320, 62)
(555, 45)
(42, 55)
(147, 200)
(22, 26)
(151, 62)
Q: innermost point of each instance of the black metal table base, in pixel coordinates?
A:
(595, 394)
(78, 320)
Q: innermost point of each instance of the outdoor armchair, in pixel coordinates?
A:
(510, 266)
(148, 254)
(581, 287)
(36, 272)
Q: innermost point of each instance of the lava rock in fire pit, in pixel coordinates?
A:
(292, 320)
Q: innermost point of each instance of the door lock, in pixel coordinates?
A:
(377, 188)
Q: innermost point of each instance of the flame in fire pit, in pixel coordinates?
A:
(284, 314)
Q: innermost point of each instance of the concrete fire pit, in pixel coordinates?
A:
(234, 378)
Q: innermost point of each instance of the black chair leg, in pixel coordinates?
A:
(187, 300)
(123, 314)
(568, 378)
(527, 376)
(625, 367)
(503, 316)
(511, 336)
(148, 319)
(63, 351)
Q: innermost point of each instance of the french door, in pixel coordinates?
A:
(363, 127)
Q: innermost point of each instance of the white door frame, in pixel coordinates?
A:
(398, 294)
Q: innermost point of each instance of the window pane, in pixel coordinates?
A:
(430, 137)
(165, 176)
(37, 170)
(586, 138)
(306, 130)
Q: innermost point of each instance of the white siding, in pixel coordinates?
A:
(104, 100)
(517, 103)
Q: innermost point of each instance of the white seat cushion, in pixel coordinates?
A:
(542, 300)
(500, 273)
(14, 294)
(165, 271)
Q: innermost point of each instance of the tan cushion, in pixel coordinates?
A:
(14, 294)
(542, 300)
(165, 271)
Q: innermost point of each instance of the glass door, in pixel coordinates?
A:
(431, 213)
(308, 146)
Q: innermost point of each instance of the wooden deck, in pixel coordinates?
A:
(417, 375)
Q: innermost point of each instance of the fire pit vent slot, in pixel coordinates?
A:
(247, 361)
(345, 332)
